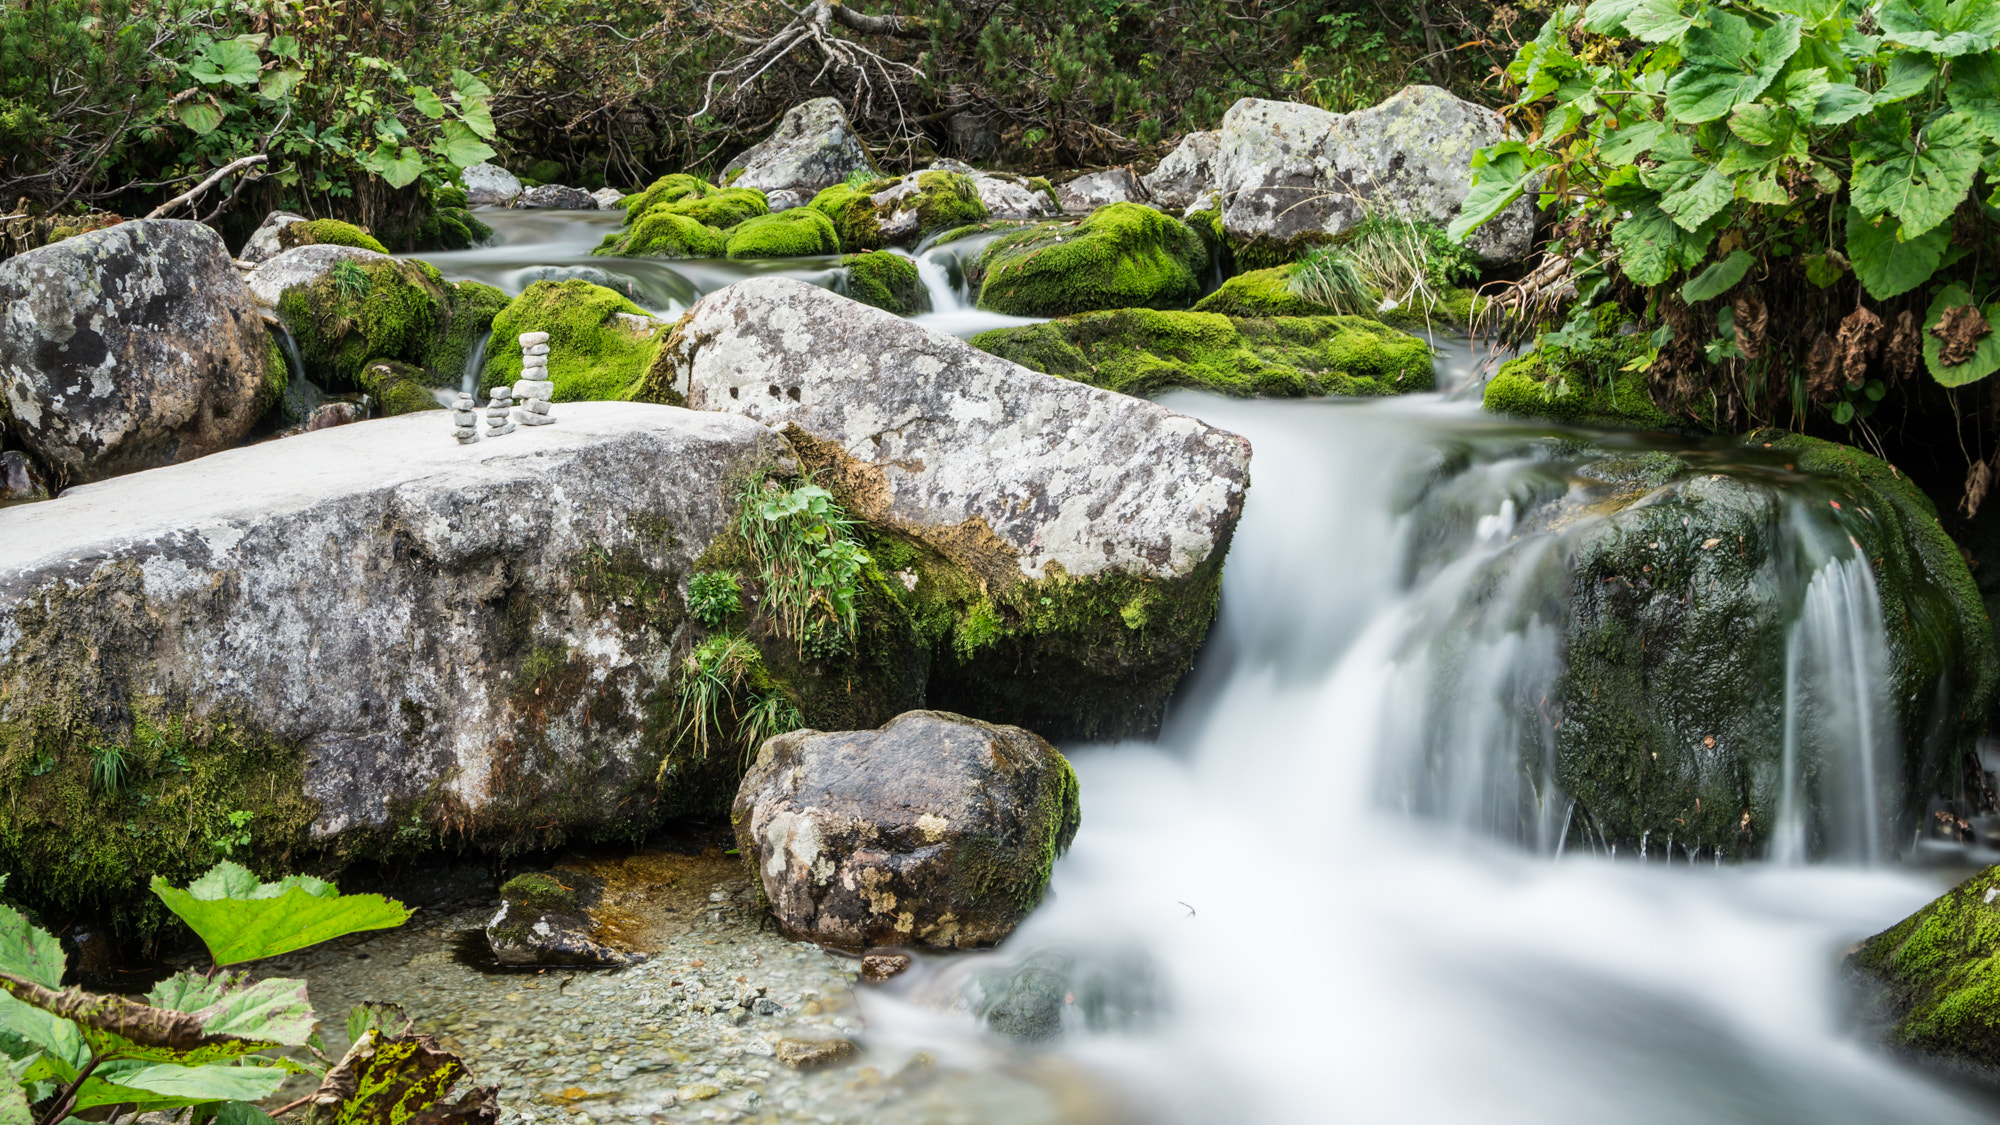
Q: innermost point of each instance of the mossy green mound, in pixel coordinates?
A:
(853, 216)
(398, 388)
(595, 354)
(666, 189)
(663, 234)
(398, 310)
(720, 209)
(1122, 256)
(943, 200)
(327, 232)
(910, 210)
(796, 233)
(885, 280)
(1940, 972)
(1145, 351)
(1260, 293)
(538, 893)
(1597, 383)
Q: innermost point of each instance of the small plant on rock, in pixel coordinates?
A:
(109, 768)
(713, 597)
(719, 693)
(1327, 276)
(349, 279)
(810, 563)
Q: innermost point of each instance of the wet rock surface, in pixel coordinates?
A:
(489, 184)
(301, 265)
(130, 347)
(935, 830)
(812, 148)
(557, 197)
(545, 918)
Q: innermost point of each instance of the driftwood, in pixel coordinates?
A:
(213, 179)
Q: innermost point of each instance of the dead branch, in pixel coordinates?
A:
(213, 179)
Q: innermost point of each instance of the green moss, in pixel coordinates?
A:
(945, 200)
(537, 893)
(1940, 969)
(327, 232)
(593, 355)
(852, 214)
(666, 189)
(277, 375)
(473, 306)
(398, 388)
(402, 314)
(799, 232)
(1260, 293)
(720, 209)
(663, 234)
(1122, 256)
(886, 281)
(1144, 352)
(1580, 388)
(1262, 254)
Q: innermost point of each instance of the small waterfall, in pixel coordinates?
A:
(468, 383)
(944, 296)
(302, 396)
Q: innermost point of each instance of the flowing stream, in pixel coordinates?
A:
(1336, 888)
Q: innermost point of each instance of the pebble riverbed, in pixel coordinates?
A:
(689, 1035)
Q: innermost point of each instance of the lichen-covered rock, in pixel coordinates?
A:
(557, 197)
(1063, 542)
(301, 266)
(1292, 174)
(935, 830)
(545, 919)
(1144, 352)
(1186, 173)
(327, 232)
(599, 342)
(900, 212)
(504, 617)
(262, 245)
(132, 346)
(489, 184)
(20, 480)
(1015, 197)
(1088, 192)
(884, 280)
(799, 232)
(812, 148)
(1125, 255)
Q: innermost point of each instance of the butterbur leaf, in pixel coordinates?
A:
(1825, 269)
(1499, 176)
(242, 919)
(1889, 266)
(1651, 246)
(230, 60)
(239, 1113)
(1975, 92)
(1657, 21)
(477, 117)
(1719, 278)
(384, 1080)
(427, 102)
(237, 1019)
(1695, 204)
(466, 85)
(285, 47)
(1840, 103)
(402, 169)
(461, 146)
(27, 950)
(200, 117)
(1921, 186)
(277, 84)
(1947, 29)
(1956, 329)
(1727, 65)
(14, 1105)
(207, 1083)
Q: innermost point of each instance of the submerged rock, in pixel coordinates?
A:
(1935, 972)
(544, 919)
(1144, 352)
(1291, 174)
(812, 148)
(1125, 255)
(556, 197)
(130, 347)
(503, 618)
(1066, 539)
(935, 830)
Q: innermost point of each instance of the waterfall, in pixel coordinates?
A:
(302, 396)
(468, 383)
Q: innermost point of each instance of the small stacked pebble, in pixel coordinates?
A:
(499, 413)
(465, 419)
(535, 389)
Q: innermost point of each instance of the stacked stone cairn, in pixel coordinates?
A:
(465, 420)
(499, 413)
(535, 389)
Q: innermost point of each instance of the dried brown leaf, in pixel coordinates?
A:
(1961, 328)
(1751, 320)
(1823, 370)
(1861, 336)
(1906, 348)
(1977, 481)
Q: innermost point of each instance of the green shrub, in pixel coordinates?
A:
(713, 597)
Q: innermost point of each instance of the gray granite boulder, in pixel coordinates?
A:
(608, 199)
(490, 183)
(556, 197)
(1290, 173)
(131, 346)
(935, 830)
(1012, 197)
(1088, 192)
(1184, 174)
(263, 245)
(301, 265)
(814, 147)
(1046, 503)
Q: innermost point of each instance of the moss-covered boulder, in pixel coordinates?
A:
(547, 918)
(935, 830)
(398, 388)
(667, 189)
(599, 342)
(886, 281)
(365, 310)
(1699, 601)
(327, 232)
(1591, 384)
(1938, 975)
(680, 216)
(797, 233)
(1144, 352)
(1260, 293)
(1122, 256)
(721, 209)
(664, 234)
(900, 212)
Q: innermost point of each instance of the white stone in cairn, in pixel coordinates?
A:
(499, 418)
(535, 389)
(465, 420)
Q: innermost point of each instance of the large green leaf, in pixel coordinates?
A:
(277, 84)
(242, 919)
(1941, 27)
(27, 950)
(1889, 266)
(427, 102)
(200, 117)
(477, 116)
(1975, 92)
(238, 1020)
(1651, 247)
(1727, 65)
(1919, 184)
(461, 146)
(274, 1009)
(1985, 360)
(466, 86)
(229, 60)
(1698, 202)
(1499, 176)
(1655, 21)
(1718, 278)
(14, 1105)
(216, 1082)
(1629, 142)
(59, 1040)
(399, 165)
